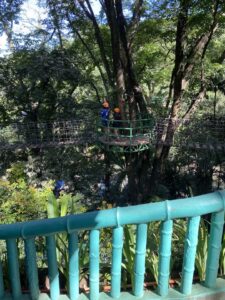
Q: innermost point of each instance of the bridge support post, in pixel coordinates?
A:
(2, 291)
(216, 232)
(191, 240)
(52, 267)
(94, 264)
(31, 266)
(164, 257)
(73, 266)
(139, 263)
(117, 246)
(13, 264)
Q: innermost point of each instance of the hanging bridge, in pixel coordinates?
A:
(27, 234)
(128, 136)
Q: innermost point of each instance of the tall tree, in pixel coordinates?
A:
(122, 31)
(118, 64)
(196, 24)
(190, 48)
(115, 63)
(9, 11)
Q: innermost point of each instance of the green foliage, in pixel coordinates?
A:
(202, 248)
(152, 254)
(16, 172)
(128, 253)
(8, 14)
(49, 76)
(21, 202)
(66, 204)
(222, 257)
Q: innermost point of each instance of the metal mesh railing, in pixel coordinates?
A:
(46, 133)
(201, 133)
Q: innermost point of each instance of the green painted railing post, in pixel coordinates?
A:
(212, 265)
(73, 266)
(31, 266)
(166, 230)
(139, 262)
(94, 264)
(53, 272)
(13, 264)
(191, 241)
(2, 291)
(117, 249)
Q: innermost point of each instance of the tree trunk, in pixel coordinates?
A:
(185, 61)
(137, 169)
(137, 163)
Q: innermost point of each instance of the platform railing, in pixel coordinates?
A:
(116, 218)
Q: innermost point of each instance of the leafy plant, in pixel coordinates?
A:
(21, 202)
(222, 257)
(202, 248)
(66, 204)
(152, 255)
(128, 253)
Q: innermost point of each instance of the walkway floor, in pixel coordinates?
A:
(199, 292)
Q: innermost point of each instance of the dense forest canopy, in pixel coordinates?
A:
(163, 59)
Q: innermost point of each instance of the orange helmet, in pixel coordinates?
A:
(116, 110)
(105, 104)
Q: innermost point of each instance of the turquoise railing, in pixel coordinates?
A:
(129, 128)
(128, 135)
(116, 218)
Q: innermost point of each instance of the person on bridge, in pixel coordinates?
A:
(105, 111)
(116, 119)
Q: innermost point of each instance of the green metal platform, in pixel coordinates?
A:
(131, 136)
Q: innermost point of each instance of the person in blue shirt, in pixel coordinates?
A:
(59, 186)
(105, 111)
(102, 189)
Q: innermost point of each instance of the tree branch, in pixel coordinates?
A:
(89, 52)
(134, 86)
(201, 45)
(90, 14)
(198, 97)
(135, 21)
(194, 104)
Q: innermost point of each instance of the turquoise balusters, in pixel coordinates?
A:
(117, 249)
(2, 291)
(94, 264)
(191, 241)
(139, 263)
(73, 266)
(52, 267)
(166, 230)
(31, 266)
(212, 265)
(13, 264)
